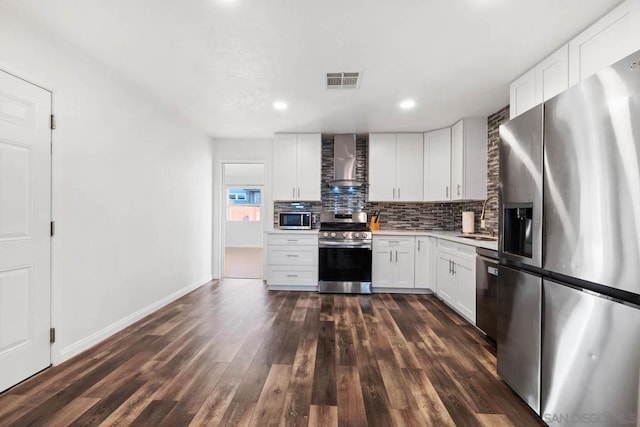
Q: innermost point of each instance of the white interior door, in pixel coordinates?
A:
(25, 213)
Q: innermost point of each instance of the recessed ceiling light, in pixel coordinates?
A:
(407, 104)
(280, 105)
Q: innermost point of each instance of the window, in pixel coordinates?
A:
(243, 204)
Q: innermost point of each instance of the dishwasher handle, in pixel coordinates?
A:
(492, 270)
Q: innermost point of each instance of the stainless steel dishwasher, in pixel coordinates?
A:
(487, 291)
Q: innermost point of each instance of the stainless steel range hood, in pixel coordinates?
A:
(344, 161)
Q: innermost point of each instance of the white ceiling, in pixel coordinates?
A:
(222, 64)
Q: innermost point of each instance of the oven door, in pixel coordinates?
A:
(345, 263)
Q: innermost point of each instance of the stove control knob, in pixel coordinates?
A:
(333, 234)
(325, 234)
(356, 235)
(345, 235)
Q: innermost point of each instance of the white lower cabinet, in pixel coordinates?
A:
(456, 277)
(426, 253)
(292, 260)
(393, 262)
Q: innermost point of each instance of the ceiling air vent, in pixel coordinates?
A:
(343, 80)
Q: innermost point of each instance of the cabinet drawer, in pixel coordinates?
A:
(457, 249)
(283, 275)
(282, 255)
(394, 242)
(292, 240)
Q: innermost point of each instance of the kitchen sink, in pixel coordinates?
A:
(483, 237)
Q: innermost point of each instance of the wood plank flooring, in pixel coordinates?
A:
(232, 353)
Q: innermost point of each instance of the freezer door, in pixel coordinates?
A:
(590, 359)
(592, 179)
(521, 188)
(519, 320)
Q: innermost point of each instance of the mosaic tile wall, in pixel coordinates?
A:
(493, 167)
(441, 216)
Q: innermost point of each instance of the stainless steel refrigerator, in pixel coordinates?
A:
(570, 223)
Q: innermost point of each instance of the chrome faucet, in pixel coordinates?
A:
(484, 208)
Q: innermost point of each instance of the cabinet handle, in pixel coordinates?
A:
(294, 192)
(292, 275)
(292, 256)
(453, 267)
(450, 267)
(418, 245)
(398, 193)
(298, 192)
(394, 193)
(393, 241)
(396, 256)
(390, 256)
(447, 191)
(292, 240)
(459, 188)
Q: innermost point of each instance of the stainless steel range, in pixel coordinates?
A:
(344, 247)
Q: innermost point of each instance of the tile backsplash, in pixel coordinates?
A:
(441, 216)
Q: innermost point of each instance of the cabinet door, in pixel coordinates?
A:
(382, 167)
(409, 167)
(309, 166)
(438, 165)
(522, 94)
(457, 161)
(433, 265)
(610, 39)
(552, 75)
(404, 258)
(285, 147)
(423, 249)
(446, 285)
(465, 278)
(382, 264)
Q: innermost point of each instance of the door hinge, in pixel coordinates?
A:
(53, 228)
(53, 121)
(52, 335)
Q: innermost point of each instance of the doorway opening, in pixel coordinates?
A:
(243, 222)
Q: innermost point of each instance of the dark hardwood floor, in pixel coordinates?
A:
(232, 353)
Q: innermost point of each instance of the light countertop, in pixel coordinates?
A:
(279, 231)
(453, 236)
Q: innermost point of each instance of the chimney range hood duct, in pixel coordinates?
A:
(344, 161)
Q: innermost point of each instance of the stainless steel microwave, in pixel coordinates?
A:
(294, 220)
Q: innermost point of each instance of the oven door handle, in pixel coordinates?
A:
(341, 245)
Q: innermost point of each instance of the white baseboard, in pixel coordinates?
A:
(307, 288)
(378, 290)
(93, 339)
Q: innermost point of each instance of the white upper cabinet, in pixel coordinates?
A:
(309, 166)
(395, 167)
(552, 75)
(285, 154)
(544, 81)
(409, 164)
(382, 166)
(297, 165)
(469, 159)
(522, 93)
(437, 165)
(610, 39)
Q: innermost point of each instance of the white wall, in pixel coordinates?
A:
(131, 191)
(238, 151)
